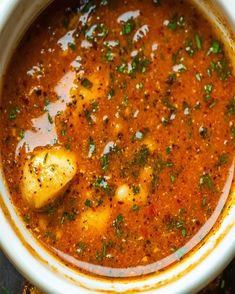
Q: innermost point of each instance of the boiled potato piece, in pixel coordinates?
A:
(126, 194)
(46, 175)
(94, 221)
(89, 89)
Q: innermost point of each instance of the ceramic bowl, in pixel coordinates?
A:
(188, 275)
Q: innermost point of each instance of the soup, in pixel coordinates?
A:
(118, 132)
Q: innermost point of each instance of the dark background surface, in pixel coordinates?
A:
(11, 281)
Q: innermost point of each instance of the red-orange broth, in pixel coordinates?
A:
(142, 95)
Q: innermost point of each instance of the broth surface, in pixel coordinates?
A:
(143, 95)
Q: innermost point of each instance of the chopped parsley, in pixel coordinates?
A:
(198, 41)
(208, 88)
(104, 162)
(111, 93)
(135, 208)
(135, 189)
(176, 23)
(117, 224)
(50, 119)
(230, 109)
(128, 27)
(102, 184)
(13, 112)
(88, 203)
(21, 134)
(69, 216)
(206, 181)
(141, 156)
(222, 160)
(86, 83)
(139, 64)
(215, 47)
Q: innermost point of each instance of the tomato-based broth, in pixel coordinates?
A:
(118, 131)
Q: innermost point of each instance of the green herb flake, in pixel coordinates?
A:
(104, 162)
(67, 146)
(26, 218)
(45, 158)
(173, 178)
(213, 103)
(168, 149)
(63, 132)
(72, 46)
(80, 248)
(139, 64)
(208, 88)
(206, 181)
(198, 41)
(94, 106)
(230, 108)
(88, 116)
(154, 182)
(102, 184)
(135, 189)
(111, 93)
(100, 255)
(88, 7)
(117, 224)
(184, 232)
(135, 208)
(109, 56)
(215, 47)
(13, 112)
(88, 203)
(21, 134)
(204, 201)
(189, 48)
(69, 216)
(165, 121)
(128, 27)
(50, 119)
(86, 83)
(207, 98)
(168, 103)
(126, 100)
(141, 156)
(222, 160)
(176, 23)
(122, 68)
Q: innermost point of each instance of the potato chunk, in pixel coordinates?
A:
(96, 89)
(95, 221)
(126, 194)
(46, 175)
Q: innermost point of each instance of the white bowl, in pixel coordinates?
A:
(49, 274)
